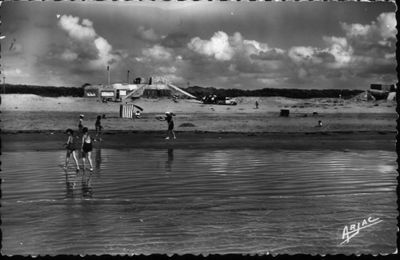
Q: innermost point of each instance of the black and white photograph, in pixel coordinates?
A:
(198, 127)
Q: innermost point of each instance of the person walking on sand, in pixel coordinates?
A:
(70, 145)
(256, 104)
(98, 128)
(87, 148)
(80, 125)
(170, 121)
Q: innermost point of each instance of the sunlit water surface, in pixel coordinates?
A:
(198, 201)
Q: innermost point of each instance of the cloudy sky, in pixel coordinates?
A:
(247, 45)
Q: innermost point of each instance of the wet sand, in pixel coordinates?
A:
(45, 140)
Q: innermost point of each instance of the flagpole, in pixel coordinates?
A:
(108, 75)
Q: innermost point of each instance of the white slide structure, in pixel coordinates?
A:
(180, 90)
(168, 85)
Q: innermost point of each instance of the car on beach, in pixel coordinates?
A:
(218, 100)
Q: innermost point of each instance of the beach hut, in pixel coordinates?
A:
(284, 112)
(91, 92)
(128, 110)
(381, 91)
(392, 96)
(122, 90)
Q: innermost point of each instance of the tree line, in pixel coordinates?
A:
(50, 91)
(274, 92)
(45, 91)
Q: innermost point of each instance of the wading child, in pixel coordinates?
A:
(98, 128)
(70, 145)
(170, 122)
(80, 125)
(87, 148)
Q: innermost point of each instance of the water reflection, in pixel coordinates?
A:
(169, 161)
(97, 161)
(70, 183)
(86, 185)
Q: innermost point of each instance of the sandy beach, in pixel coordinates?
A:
(31, 122)
(35, 113)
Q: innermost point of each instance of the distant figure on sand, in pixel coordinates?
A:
(256, 104)
(170, 121)
(80, 125)
(98, 128)
(87, 148)
(137, 114)
(70, 145)
(319, 123)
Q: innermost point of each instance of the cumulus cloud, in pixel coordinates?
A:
(76, 30)
(158, 53)
(223, 47)
(224, 55)
(366, 51)
(218, 46)
(375, 38)
(272, 54)
(85, 45)
(148, 34)
(384, 27)
(374, 46)
(337, 54)
(69, 55)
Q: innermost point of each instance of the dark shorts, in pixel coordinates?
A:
(70, 148)
(87, 148)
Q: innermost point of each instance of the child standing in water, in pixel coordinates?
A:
(70, 145)
(170, 121)
(87, 148)
(98, 128)
(80, 125)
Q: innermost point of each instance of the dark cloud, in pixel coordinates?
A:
(272, 54)
(325, 56)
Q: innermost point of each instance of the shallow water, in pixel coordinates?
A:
(198, 201)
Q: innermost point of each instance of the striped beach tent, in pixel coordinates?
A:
(127, 110)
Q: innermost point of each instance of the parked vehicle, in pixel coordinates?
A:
(218, 100)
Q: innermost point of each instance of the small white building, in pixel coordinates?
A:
(120, 91)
